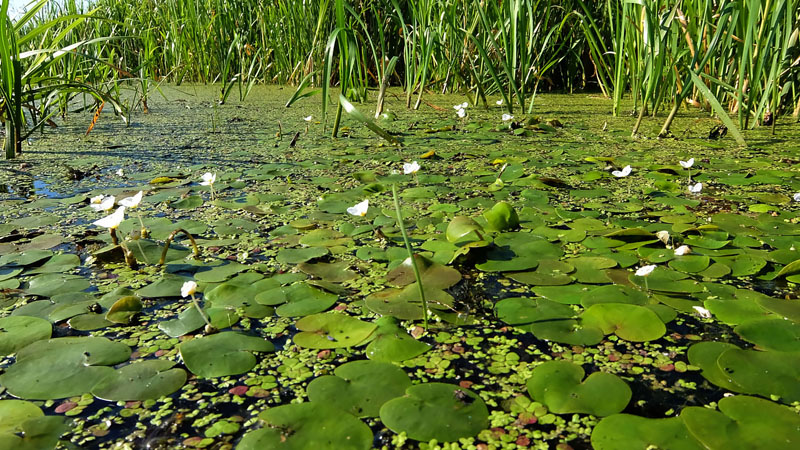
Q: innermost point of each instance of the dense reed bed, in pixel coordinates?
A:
(739, 60)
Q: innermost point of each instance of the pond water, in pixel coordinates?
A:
(529, 235)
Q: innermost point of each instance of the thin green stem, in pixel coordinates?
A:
(202, 313)
(401, 224)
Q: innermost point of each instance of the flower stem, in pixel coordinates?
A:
(411, 256)
(202, 313)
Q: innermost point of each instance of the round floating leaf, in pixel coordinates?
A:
(222, 354)
(690, 263)
(37, 433)
(331, 330)
(591, 269)
(303, 299)
(14, 413)
(666, 280)
(124, 309)
(168, 286)
(18, 331)
(47, 285)
(405, 303)
(566, 331)
(501, 217)
(360, 387)
(763, 373)
(613, 294)
(219, 273)
(300, 255)
(549, 273)
(559, 386)
(704, 355)
(626, 431)
(141, 380)
(189, 202)
(433, 274)
(26, 258)
(463, 229)
(149, 252)
(440, 411)
(337, 272)
(743, 265)
(392, 343)
(311, 425)
(771, 334)
(63, 367)
(324, 238)
(736, 311)
(630, 322)
(744, 423)
(518, 311)
(570, 294)
(58, 264)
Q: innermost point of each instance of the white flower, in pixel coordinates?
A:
(461, 106)
(506, 117)
(461, 113)
(796, 197)
(696, 188)
(702, 312)
(132, 202)
(360, 209)
(208, 179)
(622, 173)
(409, 168)
(683, 250)
(113, 220)
(499, 102)
(188, 288)
(645, 270)
(120, 172)
(96, 199)
(663, 236)
(686, 164)
(308, 119)
(105, 204)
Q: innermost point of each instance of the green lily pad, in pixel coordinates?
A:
(302, 299)
(392, 343)
(300, 255)
(189, 202)
(222, 354)
(744, 423)
(613, 293)
(549, 273)
(570, 294)
(302, 426)
(60, 263)
(13, 413)
(142, 380)
(168, 286)
(626, 431)
(763, 373)
(433, 274)
(49, 284)
(324, 238)
(149, 252)
(771, 334)
(440, 411)
(26, 258)
(630, 322)
(705, 355)
(566, 331)
(405, 303)
(62, 367)
(337, 272)
(360, 387)
(690, 263)
(521, 311)
(18, 331)
(220, 273)
(559, 385)
(591, 269)
(501, 217)
(743, 265)
(463, 229)
(331, 330)
(36, 433)
(124, 309)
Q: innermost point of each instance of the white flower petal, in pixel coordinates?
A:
(461, 113)
(208, 179)
(360, 209)
(683, 250)
(686, 164)
(645, 270)
(132, 202)
(113, 220)
(105, 205)
(622, 173)
(696, 188)
(796, 197)
(308, 119)
(506, 117)
(499, 102)
(409, 168)
(120, 172)
(188, 288)
(96, 199)
(663, 236)
(702, 312)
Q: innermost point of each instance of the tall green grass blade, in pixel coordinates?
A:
(718, 109)
(356, 114)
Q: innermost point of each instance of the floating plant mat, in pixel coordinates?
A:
(305, 327)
